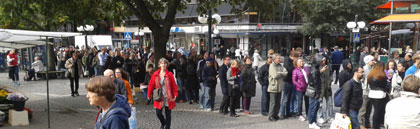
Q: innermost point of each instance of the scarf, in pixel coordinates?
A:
(234, 71)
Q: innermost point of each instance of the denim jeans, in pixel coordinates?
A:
(298, 102)
(144, 91)
(265, 99)
(96, 71)
(181, 93)
(201, 96)
(292, 100)
(328, 108)
(209, 97)
(14, 73)
(313, 109)
(285, 97)
(353, 118)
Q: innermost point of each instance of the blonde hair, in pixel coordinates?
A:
(411, 83)
(235, 63)
(163, 60)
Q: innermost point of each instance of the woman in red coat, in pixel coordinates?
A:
(163, 79)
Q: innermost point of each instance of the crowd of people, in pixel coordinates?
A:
(287, 82)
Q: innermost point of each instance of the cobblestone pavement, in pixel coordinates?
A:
(75, 112)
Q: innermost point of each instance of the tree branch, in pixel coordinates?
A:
(143, 13)
(170, 15)
(34, 23)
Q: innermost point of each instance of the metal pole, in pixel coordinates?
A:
(354, 43)
(390, 29)
(209, 23)
(48, 86)
(86, 42)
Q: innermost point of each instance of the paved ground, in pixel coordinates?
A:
(75, 112)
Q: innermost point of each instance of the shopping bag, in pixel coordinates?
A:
(340, 123)
(132, 121)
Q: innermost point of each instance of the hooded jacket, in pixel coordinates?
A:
(346, 74)
(118, 115)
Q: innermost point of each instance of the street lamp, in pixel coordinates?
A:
(209, 20)
(355, 26)
(140, 34)
(85, 29)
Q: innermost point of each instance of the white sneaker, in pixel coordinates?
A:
(302, 118)
(208, 110)
(314, 126)
(321, 121)
(17, 83)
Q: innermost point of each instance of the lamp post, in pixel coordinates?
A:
(85, 29)
(140, 34)
(209, 20)
(355, 26)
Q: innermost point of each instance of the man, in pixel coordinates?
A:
(200, 68)
(263, 79)
(336, 60)
(117, 60)
(102, 56)
(396, 56)
(407, 61)
(287, 104)
(224, 86)
(413, 68)
(209, 77)
(365, 110)
(403, 112)
(346, 74)
(352, 98)
(277, 73)
(362, 56)
(181, 75)
(12, 60)
(168, 57)
(74, 67)
(119, 84)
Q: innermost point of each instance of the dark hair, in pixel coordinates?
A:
(224, 58)
(124, 74)
(357, 69)
(150, 66)
(387, 65)
(103, 86)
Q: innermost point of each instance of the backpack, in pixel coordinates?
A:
(338, 95)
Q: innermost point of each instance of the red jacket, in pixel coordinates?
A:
(15, 61)
(171, 89)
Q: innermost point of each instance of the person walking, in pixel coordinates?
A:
(326, 93)
(336, 60)
(379, 88)
(249, 85)
(124, 76)
(233, 75)
(209, 76)
(13, 63)
(224, 85)
(403, 112)
(352, 97)
(114, 109)
(164, 80)
(263, 79)
(300, 80)
(147, 78)
(365, 110)
(103, 58)
(74, 67)
(277, 73)
(119, 84)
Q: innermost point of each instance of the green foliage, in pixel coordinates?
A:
(331, 16)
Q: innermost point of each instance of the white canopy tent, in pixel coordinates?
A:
(18, 39)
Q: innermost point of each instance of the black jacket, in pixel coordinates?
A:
(114, 63)
(248, 81)
(346, 74)
(191, 82)
(180, 68)
(288, 64)
(352, 96)
(381, 85)
(209, 76)
(223, 79)
(263, 74)
(315, 80)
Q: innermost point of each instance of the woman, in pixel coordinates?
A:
(378, 93)
(257, 59)
(149, 74)
(397, 80)
(249, 85)
(123, 75)
(114, 109)
(300, 80)
(390, 69)
(315, 84)
(164, 80)
(233, 75)
(326, 93)
(74, 68)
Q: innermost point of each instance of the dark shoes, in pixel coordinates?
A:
(77, 94)
(72, 95)
(272, 119)
(234, 115)
(264, 113)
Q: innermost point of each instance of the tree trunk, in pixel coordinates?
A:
(160, 45)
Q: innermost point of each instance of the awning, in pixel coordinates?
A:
(18, 39)
(397, 4)
(400, 18)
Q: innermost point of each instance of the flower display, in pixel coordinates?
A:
(17, 97)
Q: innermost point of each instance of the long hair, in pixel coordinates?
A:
(387, 65)
(378, 72)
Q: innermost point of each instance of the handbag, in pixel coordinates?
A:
(157, 94)
(67, 74)
(310, 91)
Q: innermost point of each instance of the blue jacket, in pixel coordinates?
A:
(118, 115)
(411, 70)
(337, 58)
(209, 76)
